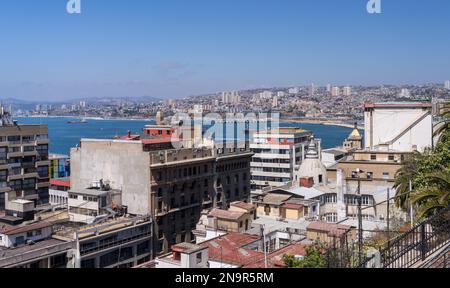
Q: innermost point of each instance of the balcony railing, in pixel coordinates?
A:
(415, 245)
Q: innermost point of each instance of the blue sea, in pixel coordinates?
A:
(64, 136)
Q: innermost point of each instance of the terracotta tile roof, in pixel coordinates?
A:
(275, 259)
(228, 249)
(276, 198)
(243, 205)
(224, 214)
(292, 206)
(187, 248)
(331, 228)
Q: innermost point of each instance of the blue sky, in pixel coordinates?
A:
(176, 48)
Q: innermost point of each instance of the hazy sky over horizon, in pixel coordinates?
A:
(176, 48)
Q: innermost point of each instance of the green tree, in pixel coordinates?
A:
(444, 113)
(404, 175)
(314, 258)
(434, 195)
(429, 172)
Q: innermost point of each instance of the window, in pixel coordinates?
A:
(28, 148)
(385, 175)
(144, 247)
(42, 148)
(320, 178)
(43, 171)
(373, 157)
(14, 139)
(199, 258)
(391, 157)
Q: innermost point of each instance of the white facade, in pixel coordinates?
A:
(398, 126)
(13, 240)
(58, 198)
(335, 91)
(198, 259)
(85, 208)
(447, 84)
(276, 158)
(294, 90)
(347, 91)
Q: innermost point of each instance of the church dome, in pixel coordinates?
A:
(355, 135)
(312, 167)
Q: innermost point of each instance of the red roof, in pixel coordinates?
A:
(275, 259)
(156, 141)
(331, 229)
(292, 206)
(130, 137)
(228, 249)
(243, 205)
(224, 214)
(62, 183)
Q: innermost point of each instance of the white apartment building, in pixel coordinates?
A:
(398, 126)
(347, 91)
(335, 91)
(447, 84)
(277, 155)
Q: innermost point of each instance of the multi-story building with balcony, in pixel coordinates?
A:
(277, 156)
(24, 162)
(172, 185)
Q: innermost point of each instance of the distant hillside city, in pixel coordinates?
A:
(328, 102)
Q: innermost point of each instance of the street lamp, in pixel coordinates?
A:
(360, 230)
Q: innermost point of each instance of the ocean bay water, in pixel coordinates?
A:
(64, 136)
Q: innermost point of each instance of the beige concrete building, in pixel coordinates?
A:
(174, 186)
(24, 164)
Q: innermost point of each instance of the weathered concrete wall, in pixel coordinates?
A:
(124, 164)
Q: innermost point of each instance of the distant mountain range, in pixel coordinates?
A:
(25, 103)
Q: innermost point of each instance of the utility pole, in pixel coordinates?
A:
(360, 230)
(265, 247)
(411, 212)
(387, 218)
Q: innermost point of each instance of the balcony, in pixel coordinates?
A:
(42, 185)
(42, 163)
(15, 154)
(30, 153)
(42, 141)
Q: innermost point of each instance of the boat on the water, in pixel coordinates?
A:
(83, 121)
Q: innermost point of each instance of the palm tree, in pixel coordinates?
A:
(434, 196)
(403, 177)
(444, 113)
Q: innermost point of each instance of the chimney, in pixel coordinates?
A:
(307, 182)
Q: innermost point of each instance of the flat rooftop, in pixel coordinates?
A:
(38, 249)
(93, 192)
(67, 230)
(393, 104)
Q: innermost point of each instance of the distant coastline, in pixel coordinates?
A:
(87, 118)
